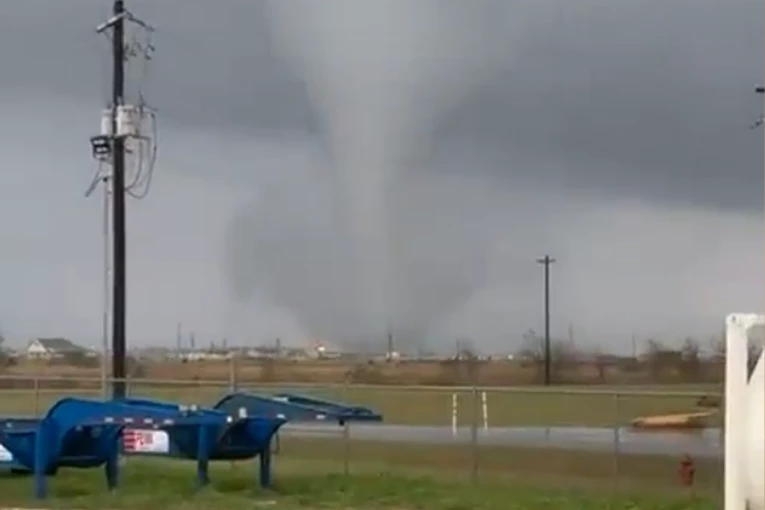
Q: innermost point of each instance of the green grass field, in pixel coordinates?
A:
(396, 477)
(311, 473)
(420, 407)
(557, 467)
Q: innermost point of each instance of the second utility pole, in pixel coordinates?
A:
(546, 261)
(118, 189)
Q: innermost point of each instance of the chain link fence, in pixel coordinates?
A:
(624, 440)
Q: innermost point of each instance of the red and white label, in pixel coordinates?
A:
(145, 441)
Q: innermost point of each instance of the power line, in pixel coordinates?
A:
(761, 119)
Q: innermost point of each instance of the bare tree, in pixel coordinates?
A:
(718, 348)
(6, 357)
(466, 350)
(562, 354)
(600, 361)
(690, 360)
(660, 359)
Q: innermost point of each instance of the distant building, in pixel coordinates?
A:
(160, 354)
(50, 348)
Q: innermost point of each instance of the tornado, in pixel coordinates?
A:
(380, 74)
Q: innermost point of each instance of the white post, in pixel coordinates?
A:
(454, 414)
(744, 418)
(485, 411)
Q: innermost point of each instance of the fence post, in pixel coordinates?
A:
(36, 385)
(277, 444)
(346, 449)
(721, 438)
(232, 383)
(346, 432)
(617, 445)
(344, 389)
(104, 379)
(474, 435)
(485, 410)
(455, 403)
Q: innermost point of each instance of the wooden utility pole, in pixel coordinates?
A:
(109, 147)
(546, 261)
(119, 371)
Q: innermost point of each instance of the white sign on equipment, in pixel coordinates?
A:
(145, 441)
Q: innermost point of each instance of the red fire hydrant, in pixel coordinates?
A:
(686, 471)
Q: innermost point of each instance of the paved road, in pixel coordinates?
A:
(703, 443)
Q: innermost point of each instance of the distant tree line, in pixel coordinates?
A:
(660, 362)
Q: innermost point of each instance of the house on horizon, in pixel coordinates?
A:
(51, 348)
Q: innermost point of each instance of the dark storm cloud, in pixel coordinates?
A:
(614, 137)
(213, 69)
(602, 96)
(645, 98)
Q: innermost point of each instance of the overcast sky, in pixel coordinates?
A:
(611, 134)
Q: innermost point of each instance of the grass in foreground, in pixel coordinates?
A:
(534, 465)
(169, 485)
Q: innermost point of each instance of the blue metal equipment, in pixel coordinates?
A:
(238, 438)
(292, 408)
(82, 433)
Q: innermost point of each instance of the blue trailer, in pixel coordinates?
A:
(80, 433)
(295, 408)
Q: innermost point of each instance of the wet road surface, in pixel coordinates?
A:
(698, 443)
